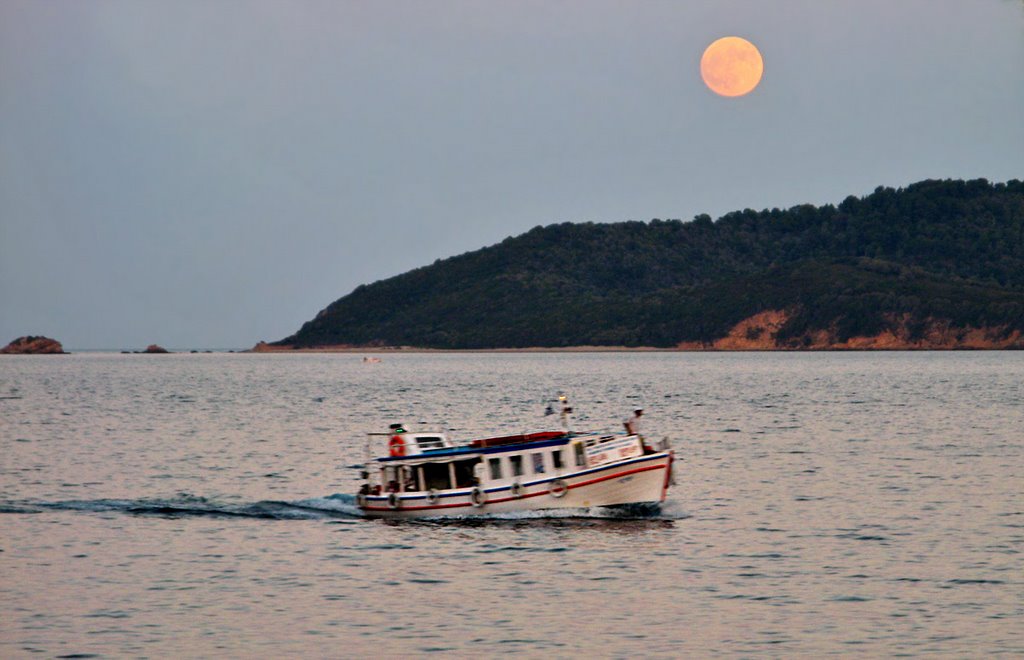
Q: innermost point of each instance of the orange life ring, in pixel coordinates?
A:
(396, 445)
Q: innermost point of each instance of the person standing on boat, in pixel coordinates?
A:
(632, 424)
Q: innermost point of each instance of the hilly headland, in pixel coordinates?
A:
(934, 265)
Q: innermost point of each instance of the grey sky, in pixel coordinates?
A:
(212, 173)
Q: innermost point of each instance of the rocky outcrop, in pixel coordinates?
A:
(33, 346)
(760, 333)
(153, 348)
(755, 333)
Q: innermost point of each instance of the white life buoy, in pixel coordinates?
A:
(394, 501)
(517, 489)
(558, 488)
(432, 496)
(478, 498)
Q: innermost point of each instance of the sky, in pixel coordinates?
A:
(212, 173)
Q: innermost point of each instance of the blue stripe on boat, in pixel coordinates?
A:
(497, 489)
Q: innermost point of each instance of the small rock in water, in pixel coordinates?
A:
(31, 345)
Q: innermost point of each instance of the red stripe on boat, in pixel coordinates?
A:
(509, 499)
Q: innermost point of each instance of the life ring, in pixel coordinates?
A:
(361, 501)
(432, 496)
(558, 488)
(394, 501)
(396, 445)
(478, 498)
(517, 489)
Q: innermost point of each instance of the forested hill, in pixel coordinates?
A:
(935, 264)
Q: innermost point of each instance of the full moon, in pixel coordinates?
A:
(731, 66)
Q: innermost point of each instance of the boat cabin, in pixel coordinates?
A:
(403, 443)
(425, 462)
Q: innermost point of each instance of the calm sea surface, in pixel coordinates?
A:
(867, 504)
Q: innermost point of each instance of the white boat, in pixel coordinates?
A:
(426, 475)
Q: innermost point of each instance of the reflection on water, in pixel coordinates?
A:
(201, 505)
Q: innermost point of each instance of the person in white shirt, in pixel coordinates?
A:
(633, 423)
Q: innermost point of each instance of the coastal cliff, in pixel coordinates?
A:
(761, 332)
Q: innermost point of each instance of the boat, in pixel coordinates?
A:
(425, 474)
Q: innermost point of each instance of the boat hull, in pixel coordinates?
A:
(640, 480)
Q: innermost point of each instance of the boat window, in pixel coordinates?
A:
(409, 479)
(517, 465)
(556, 459)
(581, 457)
(495, 464)
(435, 476)
(429, 442)
(390, 479)
(538, 463)
(465, 475)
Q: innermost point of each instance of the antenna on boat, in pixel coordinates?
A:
(566, 411)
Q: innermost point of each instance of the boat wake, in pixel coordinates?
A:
(183, 506)
(317, 508)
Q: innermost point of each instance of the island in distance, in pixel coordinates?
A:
(33, 345)
(935, 265)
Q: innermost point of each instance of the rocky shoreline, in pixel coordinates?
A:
(757, 333)
(761, 333)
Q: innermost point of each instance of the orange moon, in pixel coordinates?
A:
(731, 66)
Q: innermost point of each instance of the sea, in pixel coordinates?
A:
(201, 505)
